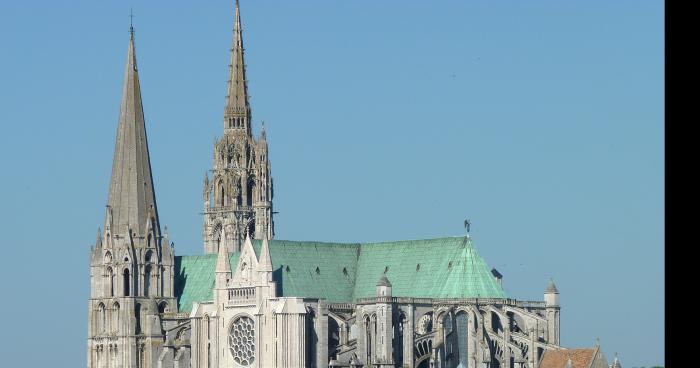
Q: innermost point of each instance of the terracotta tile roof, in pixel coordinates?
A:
(581, 358)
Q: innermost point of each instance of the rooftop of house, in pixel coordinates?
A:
(580, 358)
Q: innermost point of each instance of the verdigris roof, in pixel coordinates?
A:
(344, 272)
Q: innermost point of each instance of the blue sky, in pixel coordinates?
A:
(541, 121)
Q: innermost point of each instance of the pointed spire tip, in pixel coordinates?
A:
(131, 22)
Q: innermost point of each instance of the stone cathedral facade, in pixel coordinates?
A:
(253, 301)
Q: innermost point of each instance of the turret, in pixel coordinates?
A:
(385, 325)
(551, 295)
(383, 286)
(552, 310)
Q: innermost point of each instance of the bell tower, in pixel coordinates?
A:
(238, 196)
(132, 262)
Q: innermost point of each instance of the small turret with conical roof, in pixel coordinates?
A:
(551, 303)
(551, 294)
(383, 286)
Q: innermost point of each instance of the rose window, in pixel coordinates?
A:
(241, 340)
(425, 324)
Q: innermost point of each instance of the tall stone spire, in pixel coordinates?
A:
(237, 111)
(131, 194)
(132, 264)
(239, 195)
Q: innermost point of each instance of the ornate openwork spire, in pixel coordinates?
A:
(131, 194)
(237, 112)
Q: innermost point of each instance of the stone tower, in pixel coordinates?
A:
(131, 264)
(238, 197)
(384, 356)
(551, 301)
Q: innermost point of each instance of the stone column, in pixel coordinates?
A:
(506, 340)
(533, 347)
(321, 327)
(408, 358)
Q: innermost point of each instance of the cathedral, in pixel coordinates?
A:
(255, 301)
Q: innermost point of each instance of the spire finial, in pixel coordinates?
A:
(263, 133)
(131, 22)
(237, 110)
(551, 287)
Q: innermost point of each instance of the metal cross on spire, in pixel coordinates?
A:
(467, 225)
(131, 20)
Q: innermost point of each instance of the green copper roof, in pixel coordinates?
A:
(432, 268)
(194, 278)
(345, 272)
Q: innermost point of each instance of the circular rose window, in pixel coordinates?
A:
(425, 324)
(241, 340)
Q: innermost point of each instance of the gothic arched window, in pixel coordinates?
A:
(138, 318)
(333, 336)
(461, 324)
(217, 236)
(109, 275)
(208, 355)
(101, 318)
(147, 280)
(222, 198)
(115, 317)
(127, 288)
(368, 339)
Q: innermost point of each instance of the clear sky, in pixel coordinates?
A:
(541, 121)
